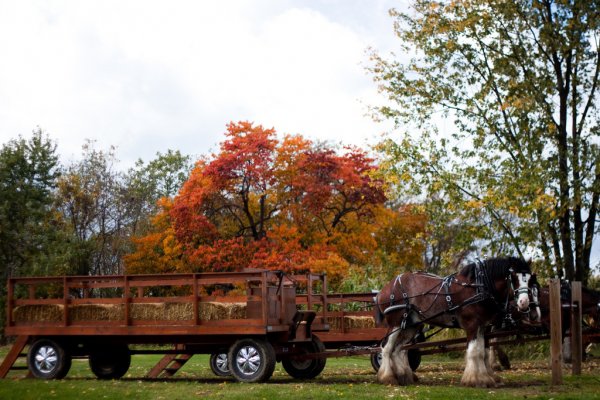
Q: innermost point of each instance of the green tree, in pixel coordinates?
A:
(90, 199)
(147, 183)
(104, 207)
(28, 173)
(501, 104)
(28, 234)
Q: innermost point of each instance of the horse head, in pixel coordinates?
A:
(505, 278)
(535, 314)
(520, 277)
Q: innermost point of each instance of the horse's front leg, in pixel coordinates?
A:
(401, 365)
(476, 372)
(395, 368)
(386, 374)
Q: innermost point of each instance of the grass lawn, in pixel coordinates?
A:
(348, 377)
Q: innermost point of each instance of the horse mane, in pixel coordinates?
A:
(497, 268)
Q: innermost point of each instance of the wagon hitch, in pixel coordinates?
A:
(342, 352)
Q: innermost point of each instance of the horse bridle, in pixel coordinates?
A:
(521, 289)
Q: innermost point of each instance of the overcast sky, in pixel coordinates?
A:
(148, 76)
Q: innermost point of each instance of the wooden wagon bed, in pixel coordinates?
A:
(257, 302)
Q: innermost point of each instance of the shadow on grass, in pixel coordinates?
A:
(325, 381)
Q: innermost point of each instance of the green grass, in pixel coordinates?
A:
(348, 377)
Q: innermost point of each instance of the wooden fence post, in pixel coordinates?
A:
(576, 340)
(555, 332)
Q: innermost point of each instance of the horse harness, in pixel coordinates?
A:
(484, 290)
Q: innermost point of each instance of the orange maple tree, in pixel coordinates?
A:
(261, 202)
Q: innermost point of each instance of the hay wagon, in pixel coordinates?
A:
(254, 318)
(251, 316)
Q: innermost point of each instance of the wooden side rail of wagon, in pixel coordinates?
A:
(100, 316)
(149, 304)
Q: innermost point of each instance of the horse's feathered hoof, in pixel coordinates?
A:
(396, 380)
(405, 380)
(387, 379)
(481, 382)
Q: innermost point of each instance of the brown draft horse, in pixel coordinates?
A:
(470, 299)
(540, 323)
(590, 306)
(590, 303)
(590, 311)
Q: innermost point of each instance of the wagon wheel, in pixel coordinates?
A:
(376, 359)
(219, 363)
(110, 362)
(306, 369)
(48, 359)
(251, 360)
(414, 359)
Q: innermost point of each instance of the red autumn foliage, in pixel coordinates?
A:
(284, 204)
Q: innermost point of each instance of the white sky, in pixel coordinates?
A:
(148, 76)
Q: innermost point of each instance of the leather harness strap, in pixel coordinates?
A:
(484, 290)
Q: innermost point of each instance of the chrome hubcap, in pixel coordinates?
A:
(46, 359)
(221, 362)
(248, 360)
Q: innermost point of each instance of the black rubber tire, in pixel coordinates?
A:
(376, 360)
(306, 369)
(110, 362)
(48, 359)
(251, 360)
(219, 363)
(414, 360)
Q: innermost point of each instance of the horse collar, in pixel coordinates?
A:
(484, 288)
(406, 306)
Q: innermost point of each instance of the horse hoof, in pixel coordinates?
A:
(488, 382)
(387, 380)
(415, 378)
(405, 380)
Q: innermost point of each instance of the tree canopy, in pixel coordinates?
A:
(277, 203)
(499, 111)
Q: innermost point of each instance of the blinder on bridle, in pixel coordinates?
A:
(524, 279)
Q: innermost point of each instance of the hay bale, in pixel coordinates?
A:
(350, 322)
(38, 313)
(208, 311)
(236, 310)
(358, 322)
(178, 311)
(146, 311)
(212, 311)
(96, 312)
